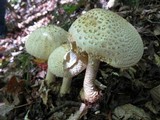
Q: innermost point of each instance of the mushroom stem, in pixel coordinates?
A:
(65, 87)
(91, 94)
(82, 111)
(50, 78)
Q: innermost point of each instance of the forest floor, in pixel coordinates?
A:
(133, 93)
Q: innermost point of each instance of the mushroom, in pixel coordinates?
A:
(44, 40)
(65, 63)
(105, 36)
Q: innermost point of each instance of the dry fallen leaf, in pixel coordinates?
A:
(2, 49)
(43, 90)
(157, 59)
(14, 86)
(155, 94)
(12, 91)
(157, 30)
(129, 111)
(4, 109)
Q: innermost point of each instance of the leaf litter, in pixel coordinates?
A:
(21, 74)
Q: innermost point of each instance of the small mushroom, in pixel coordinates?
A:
(65, 63)
(44, 40)
(105, 36)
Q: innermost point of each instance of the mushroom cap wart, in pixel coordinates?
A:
(56, 62)
(44, 40)
(108, 37)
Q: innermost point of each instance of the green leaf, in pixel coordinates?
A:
(69, 8)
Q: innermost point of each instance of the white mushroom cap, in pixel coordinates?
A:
(107, 37)
(74, 64)
(44, 40)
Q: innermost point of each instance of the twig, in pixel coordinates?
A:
(23, 105)
(67, 103)
(110, 115)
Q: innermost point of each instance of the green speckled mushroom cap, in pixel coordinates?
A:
(74, 65)
(55, 60)
(107, 37)
(44, 40)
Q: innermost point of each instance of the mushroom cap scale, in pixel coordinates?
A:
(108, 37)
(44, 40)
